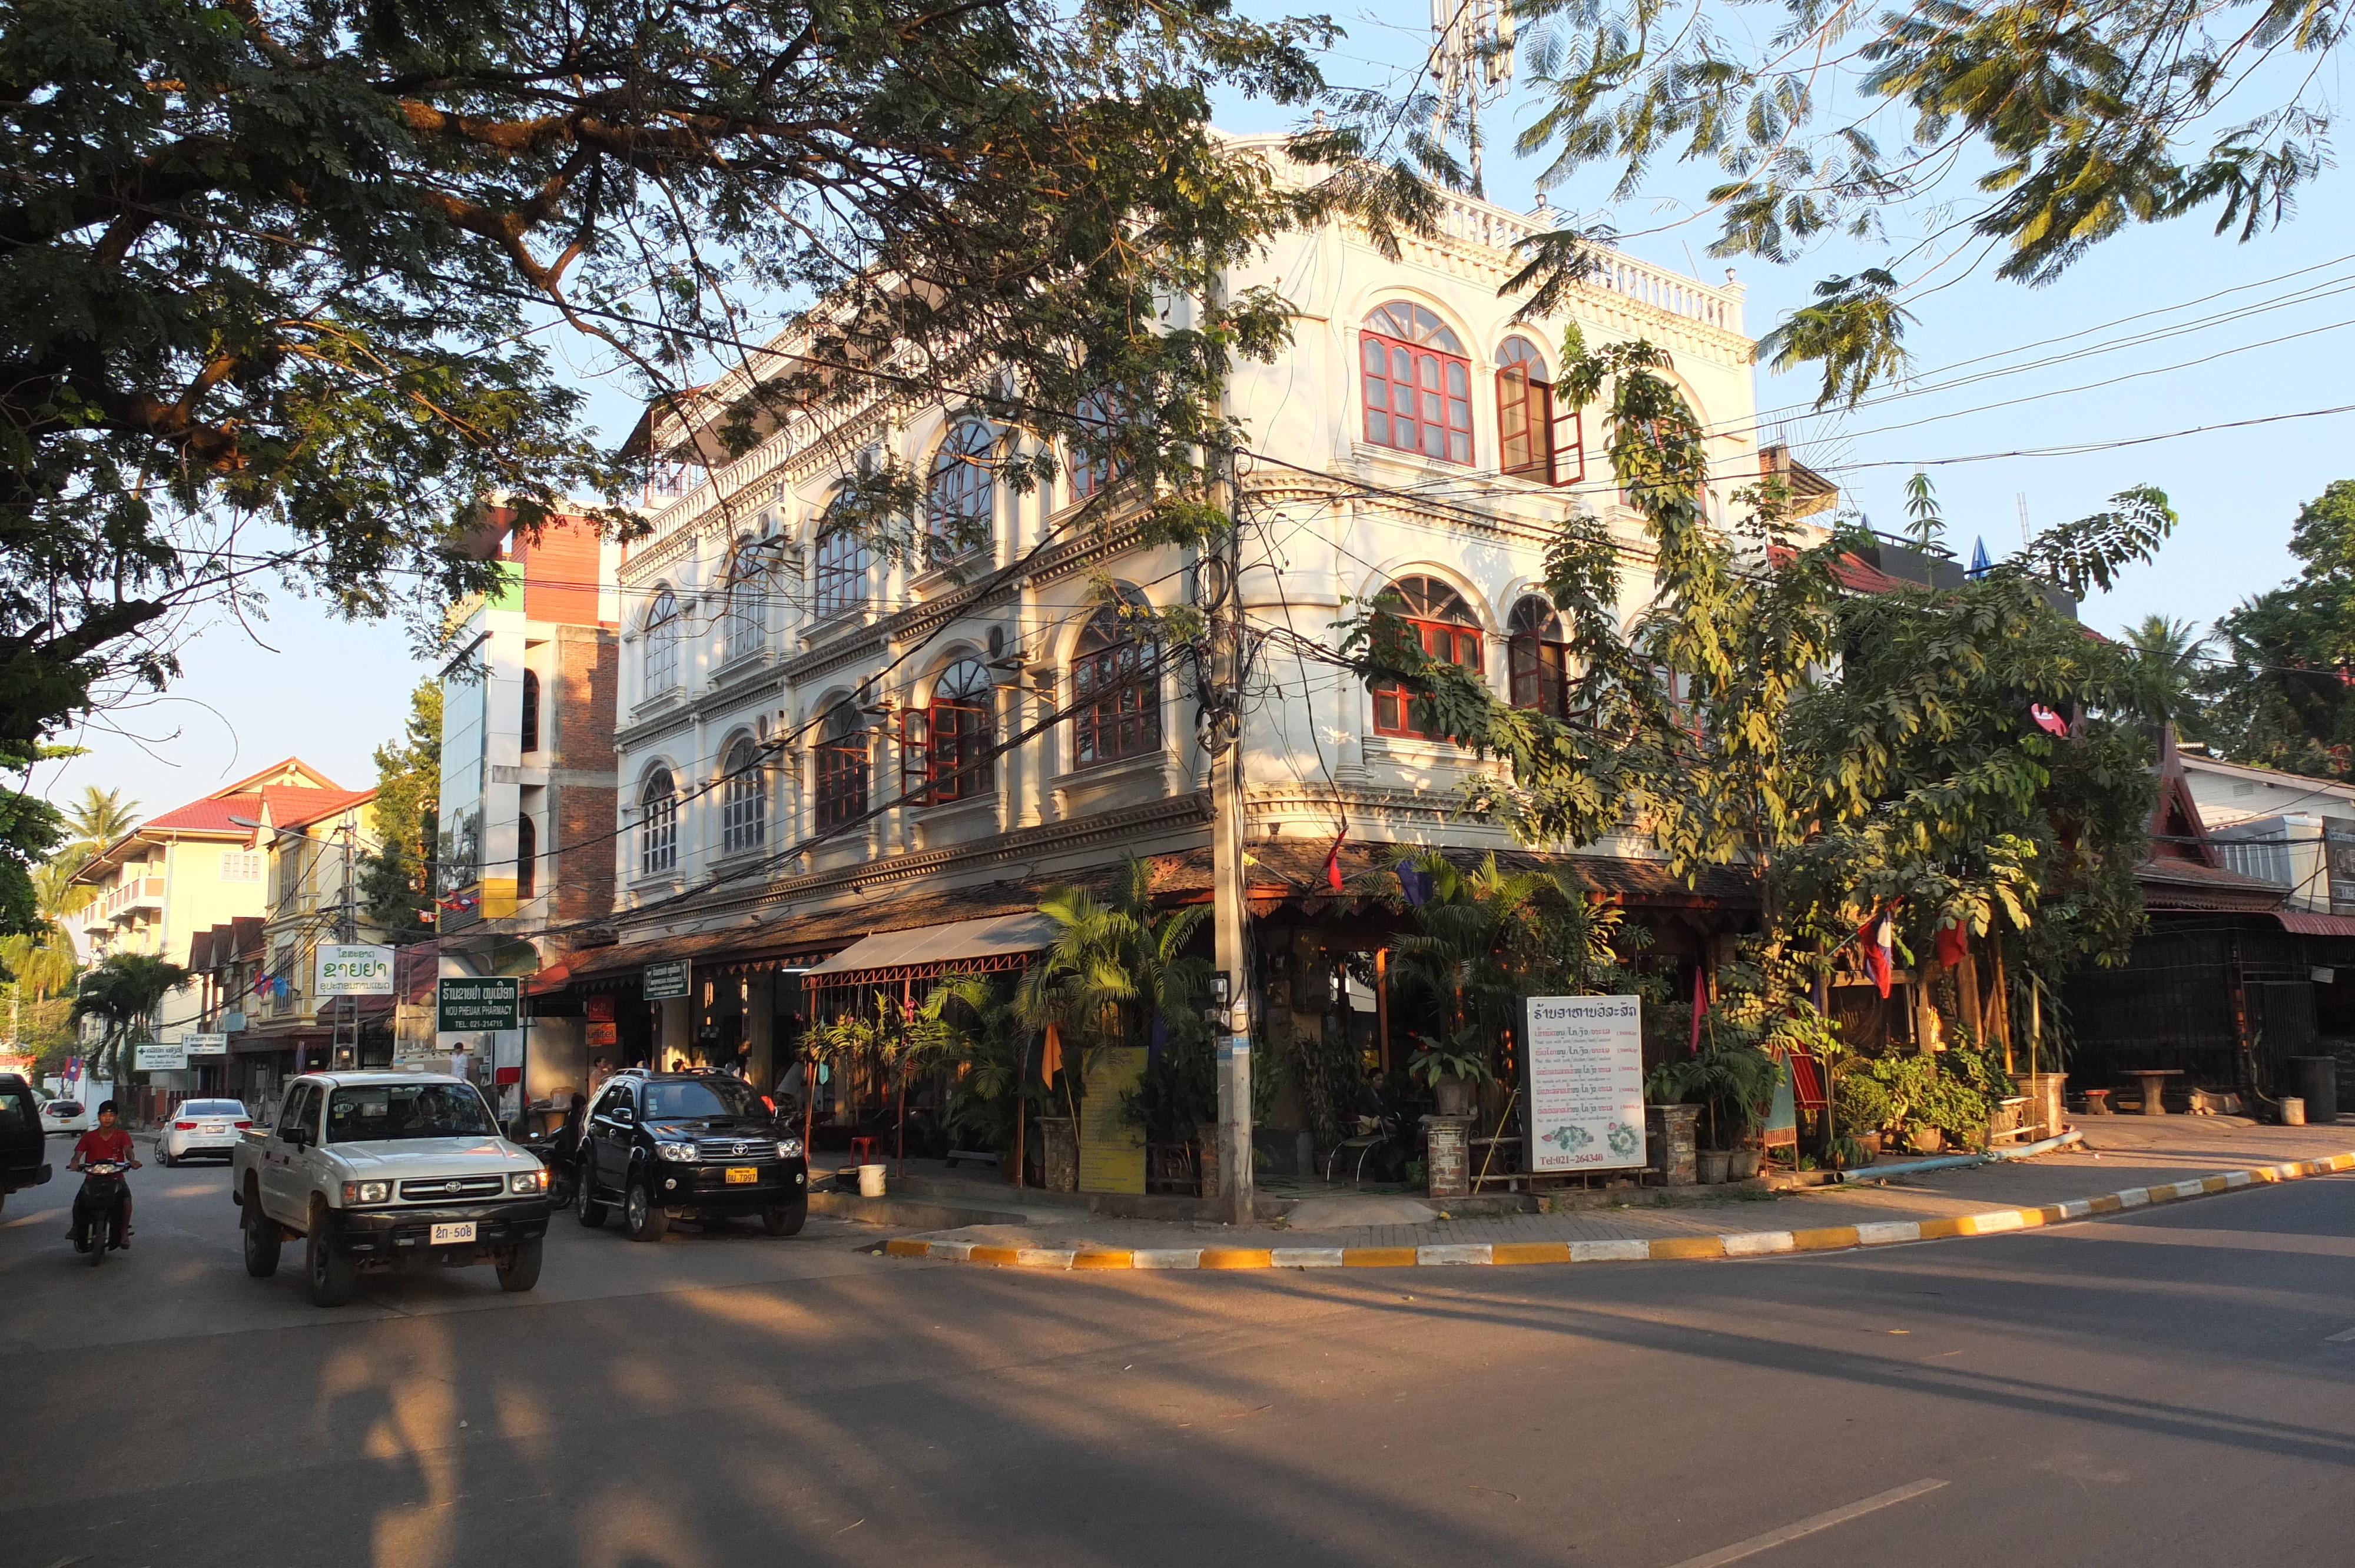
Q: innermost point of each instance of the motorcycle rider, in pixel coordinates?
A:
(107, 1141)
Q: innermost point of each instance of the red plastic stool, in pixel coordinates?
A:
(865, 1150)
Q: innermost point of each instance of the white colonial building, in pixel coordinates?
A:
(775, 686)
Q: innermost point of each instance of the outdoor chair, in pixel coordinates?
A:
(1368, 1138)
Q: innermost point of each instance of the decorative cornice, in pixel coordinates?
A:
(1022, 844)
(829, 657)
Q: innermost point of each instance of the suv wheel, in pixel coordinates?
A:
(520, 1269)
(584, 1195)
(335, 1274)
(786, 1219)
(261, 1237)
(641, 1214)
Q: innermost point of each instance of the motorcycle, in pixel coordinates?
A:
(98, 1209)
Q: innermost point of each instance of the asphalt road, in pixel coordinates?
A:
(2176, 1387)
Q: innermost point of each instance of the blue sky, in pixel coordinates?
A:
(331, 692)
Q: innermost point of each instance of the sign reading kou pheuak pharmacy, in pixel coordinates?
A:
(354, 968)
(1585, 1057)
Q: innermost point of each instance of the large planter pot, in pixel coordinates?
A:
(1454, 1095)
(1926, 1140)
(1745, 1164)
(1714, 1164)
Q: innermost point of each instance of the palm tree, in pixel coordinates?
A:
(2167, 658)
(123, 993)
(96, 821)
(1115, 966)
(44, 957)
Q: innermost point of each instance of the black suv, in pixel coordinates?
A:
(21, 1141)
(688, 1146)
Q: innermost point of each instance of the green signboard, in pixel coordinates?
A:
(665, 981)
(469, 1004)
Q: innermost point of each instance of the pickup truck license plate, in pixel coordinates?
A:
(738, 1175)
(463, 1231)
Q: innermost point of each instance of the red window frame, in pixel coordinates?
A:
(1117, 699)
(1535, 440)
(1417, 385)
(961, 498)
(945, 749)
(1431, 608)
(1537, 666)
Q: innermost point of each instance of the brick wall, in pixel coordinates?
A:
(586, 667)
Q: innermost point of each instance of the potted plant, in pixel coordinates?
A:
(1732, 1082)
(1453, 1069)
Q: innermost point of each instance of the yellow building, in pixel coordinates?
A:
(201, 865)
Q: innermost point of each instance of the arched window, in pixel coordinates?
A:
(657, 824)
(1117, 688)
(743, 798)
(1441, 620)
(944, 748)
(662, 644)
(1418, 384)
(960, 500)
(839, 566)
(1538, 441)
(841, 765)
(526, 857)
(747, 577)
(1537, 662)
(531, 724)
(1093, 467)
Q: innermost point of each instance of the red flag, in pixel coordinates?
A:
(1333, 861)
(1878, 936)
(1954, 944)
(1700, 1006)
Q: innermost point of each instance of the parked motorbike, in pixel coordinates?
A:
(98, 1209)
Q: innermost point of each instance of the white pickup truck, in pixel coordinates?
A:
(381, 1170)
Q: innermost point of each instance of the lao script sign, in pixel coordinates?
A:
(355, 968)
(1586, 1081)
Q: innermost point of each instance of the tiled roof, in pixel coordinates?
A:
(292, 808)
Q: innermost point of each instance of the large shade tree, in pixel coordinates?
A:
(277, 273)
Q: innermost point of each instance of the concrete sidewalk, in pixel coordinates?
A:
(2124, 1161)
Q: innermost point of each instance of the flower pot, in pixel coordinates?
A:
(1745, 1164)
(1454, 1095)
(1714, 1163)
(1927, 1140)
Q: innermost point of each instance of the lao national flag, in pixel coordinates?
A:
(2048, 721)
(1879, 936)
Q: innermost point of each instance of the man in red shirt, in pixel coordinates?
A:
(104, 1142)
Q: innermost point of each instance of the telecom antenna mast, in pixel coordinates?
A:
(1472, 61)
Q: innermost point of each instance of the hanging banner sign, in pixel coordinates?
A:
(466, 1003)
(1585, 1082)
(354, 968)
(665, 981)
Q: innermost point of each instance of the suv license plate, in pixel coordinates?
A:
(738, 1175)
(463, 1231)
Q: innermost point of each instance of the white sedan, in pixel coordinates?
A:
(202, 1127)
(65, 1116)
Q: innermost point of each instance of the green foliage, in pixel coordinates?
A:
(92, 823)
(1462, 1055)
(1729, 1076)
(1861, 1102)
(2170, 660)
(1849, 748)
(2279, 699)
(2040, 128)
(1178, 1093)
(1925, 524)
(397, 878)
(279, 272)
(1114, 967)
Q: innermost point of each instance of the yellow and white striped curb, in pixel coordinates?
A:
(1747, 1244)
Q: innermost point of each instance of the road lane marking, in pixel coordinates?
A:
(2340, 1338)
(1772, 1538)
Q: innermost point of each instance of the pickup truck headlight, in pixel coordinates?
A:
(789, 1149)
(677, 1153)
(367, 1192)
(527, 1181)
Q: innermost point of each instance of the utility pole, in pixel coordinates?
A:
(348, 929)
(1218, 586)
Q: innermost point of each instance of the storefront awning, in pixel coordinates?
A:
(1001, 941)
(2312, 922)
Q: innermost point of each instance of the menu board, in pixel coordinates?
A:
(1585, 1061)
